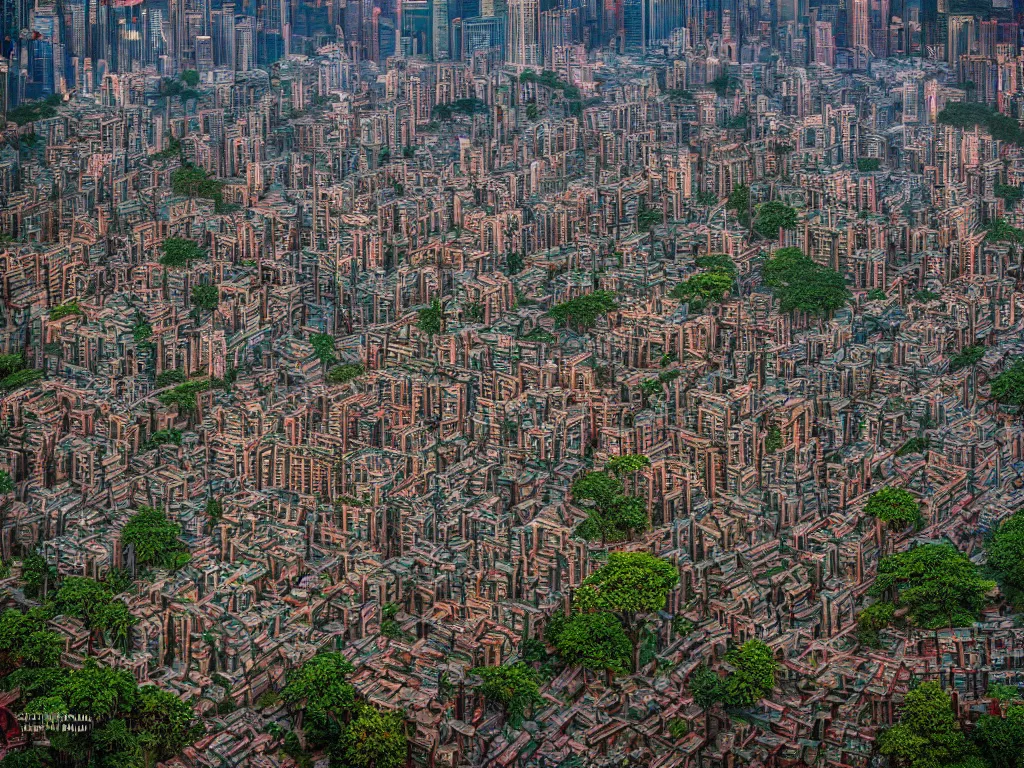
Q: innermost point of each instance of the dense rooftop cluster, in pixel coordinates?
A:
(655, 410)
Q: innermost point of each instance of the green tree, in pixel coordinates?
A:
(613, 514)
(632, 585)
(803, 285)
(1006, 556)
(206, 297)
(872, 620)
(320, 690)
(739, 201)
(752, 676)
(155, 539)
(37, 574)
(117, 746)
(707, 286)
(6, 483)
(513, 687)
(582, 312)
(323, 347)
(346, 372)
(375, 739)
(773, 216)
(431, 319)
(26, 641)
(194, 182)
(1008, 386)
(102, 693)
(178, 252)
(164, 723)
(928, 735)
(594, 641)
(896, 507)
(86, 599)
(1000, 740)
(937, 583)
(968, 357)
(190, 78)
(706, 687)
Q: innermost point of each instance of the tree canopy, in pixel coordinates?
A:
(206, 297)
(1008, 386)
(155, 539)
(178, 252)
(803, 285)
(375, 739)
(937, 583)
(614, 515)
(513, 687)
(1006, 556)
(897, 507)
(594, 641)
(321, 690)
(928, 735)
(582, 312)
(323, 347)
(752, 676)
(773, 216)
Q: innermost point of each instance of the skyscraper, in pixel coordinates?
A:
(441, 41)
(523, 24)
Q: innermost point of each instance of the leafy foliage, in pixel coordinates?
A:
(631, 583)
(30, 111)
(970, 114)
(613, 514)
(155, 539)
(896, 507)
(582, 312)
(773, 216)
(179, 251)
(206, 297)
(513, 687)
(706, 687)
(967, 357)
(1006, 555)
(594, 641)
(773, 440)
(192, 181)
(928, 735)
(753, 674)
(6, 482)
(346, 372)
(1001, 232)
(868, 164)
(937, 583)
(20, 379)
(803, 285)
(872, 619)
(65, 309)
(709, 286)
(1009, 192)
(184, 395)
(323, 347)
(163, 437)
(321, 689)
(1008, 386)
(430, 318)
(26, 641)
(375, 739)
(647, 217)
(1000, 740)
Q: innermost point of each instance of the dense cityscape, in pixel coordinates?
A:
(511, 384)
